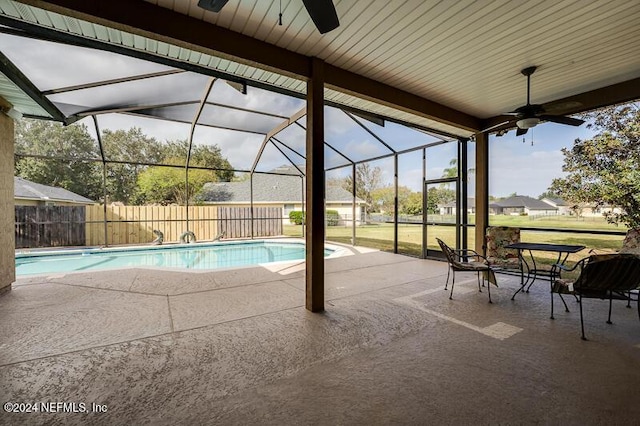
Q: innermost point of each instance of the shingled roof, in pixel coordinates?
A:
(526, 202)
(27, 190)
(269, 188)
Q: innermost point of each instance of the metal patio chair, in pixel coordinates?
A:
(604, 276)
(459, 260)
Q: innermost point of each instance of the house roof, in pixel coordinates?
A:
(269, 188)
(526, 202)
(27, 190)
(558, 202)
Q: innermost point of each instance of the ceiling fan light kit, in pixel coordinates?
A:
(527, 123)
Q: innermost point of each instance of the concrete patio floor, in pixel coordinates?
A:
(238, 347)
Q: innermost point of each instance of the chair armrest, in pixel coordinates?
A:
(563, 267)
(560, 267)
(470, 253)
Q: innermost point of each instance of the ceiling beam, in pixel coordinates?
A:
(148, 20)
(626, 91)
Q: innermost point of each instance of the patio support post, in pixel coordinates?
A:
(7, 206)
(482, 189)
(314, 258)
(251, 203)
(395, 203)
(353, 204)
(424, 203)
(464, 190)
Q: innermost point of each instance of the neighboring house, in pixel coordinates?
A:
(281, 191)
(521, 204)
(582, 209)
(563, 207)
(590, 210)
(27, 193)
(450, 207)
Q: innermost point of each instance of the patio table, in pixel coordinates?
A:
(533, 271)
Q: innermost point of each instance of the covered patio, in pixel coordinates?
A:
(238, 347)
(368, 338)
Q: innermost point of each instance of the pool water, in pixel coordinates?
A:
(198, 256)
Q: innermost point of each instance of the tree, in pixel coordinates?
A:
(201, 156)
(166, 185)
(130, 145)
(413, 204)
(368, 179)
(385, 198)
(71, 145)
(438, 196)
(605, 170)
(549, 194)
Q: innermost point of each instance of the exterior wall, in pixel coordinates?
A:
(7, 209)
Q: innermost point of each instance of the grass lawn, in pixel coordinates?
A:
(380, 235)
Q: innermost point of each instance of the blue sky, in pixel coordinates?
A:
(525, 169)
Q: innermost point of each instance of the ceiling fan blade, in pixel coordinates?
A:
(561, 119)
(323, 14)
(497, 126)
(521, 132)
(212, 5)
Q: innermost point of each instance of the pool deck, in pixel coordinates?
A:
(237, 347)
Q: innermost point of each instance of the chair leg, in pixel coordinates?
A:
(552, 317)
(453, 282)
(629, 299)
(478, 276)
(582, 320)
(447, 282)
(488, 285)
(610, 303)
(566, 308)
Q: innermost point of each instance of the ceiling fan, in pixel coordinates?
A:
(322, 12)
(530, 115)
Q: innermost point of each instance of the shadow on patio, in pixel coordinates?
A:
(238, 347)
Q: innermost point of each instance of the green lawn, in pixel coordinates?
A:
(380, 235)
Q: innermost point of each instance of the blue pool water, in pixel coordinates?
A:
(198, 256)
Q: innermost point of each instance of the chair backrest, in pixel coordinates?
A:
(452, 257)
(448, 251)
(610, 272)
(497, 237)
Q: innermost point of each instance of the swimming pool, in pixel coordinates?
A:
(190, 256)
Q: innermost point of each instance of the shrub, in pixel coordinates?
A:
(332, 217)
(296, 217)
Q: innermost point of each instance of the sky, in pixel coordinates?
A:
(516, 167)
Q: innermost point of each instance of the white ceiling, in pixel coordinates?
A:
(464, 54)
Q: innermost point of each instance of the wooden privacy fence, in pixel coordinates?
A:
(135, 224)
(235, 222)
(52, 226)
(49, 226)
